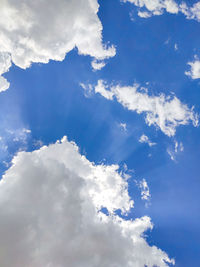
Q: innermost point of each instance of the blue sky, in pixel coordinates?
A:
(47, 101)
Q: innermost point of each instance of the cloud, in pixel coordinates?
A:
(175, 47)
(145, 139)
(194, 72)
(5, 64)
(145, 192)
(176, 149)
(164, 112)
(101, 89)
(50, 213)
(123, 126)
(192, 12)
(11, 141)
(98, 65)
(155, 7)
(148, 8)
(33, 32)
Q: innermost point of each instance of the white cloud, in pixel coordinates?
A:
(176, 149)
(175, 47)
(123, 126)
(145, 192)
(5, 64)
(144, 14)
(155, 7)
(194, 72)
(98, 65)
(12, 140)
(192, 12)
(165, 112)
(158, 7)
(145, 139)
(32, 31)
(101, 88)
(49, 205)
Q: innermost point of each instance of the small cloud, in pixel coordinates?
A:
(175, 47)
(176, 149)
(28, 131)
(123, 126)
(98, 65)
(88, 89)
(144, 14)
(145, 192)
(145, 139)
(167, 41)
(194, 71)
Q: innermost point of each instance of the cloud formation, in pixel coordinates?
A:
(164, 112)
(173, 151)
(194, 71)
(33, 32)
(50, 206)
(5, 64)
(148, 8)
(145, 139)
(145, 192)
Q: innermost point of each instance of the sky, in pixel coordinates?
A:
(99, 133)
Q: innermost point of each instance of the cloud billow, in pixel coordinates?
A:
(36, 32)
(50, 214)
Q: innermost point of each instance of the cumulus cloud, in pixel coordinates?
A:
(164, 112)
(194, 71)
(5, 64)
(154, 7)
(50, 206)
(148, 8)
(145, 139)
(192, 12)
(32, 31)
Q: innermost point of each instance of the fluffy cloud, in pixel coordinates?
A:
(192, 12)
(148, 8)
(155, 7)
(50, 206)
(194, 72)
(31, 31)
(145, 139)
(165, 112)
(5, 64)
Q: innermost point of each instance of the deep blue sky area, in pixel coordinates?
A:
(48, 100)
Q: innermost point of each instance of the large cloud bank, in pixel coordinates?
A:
(34, 31)
(164, 112)
(50, 204)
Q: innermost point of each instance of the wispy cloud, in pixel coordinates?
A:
(164, 112)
